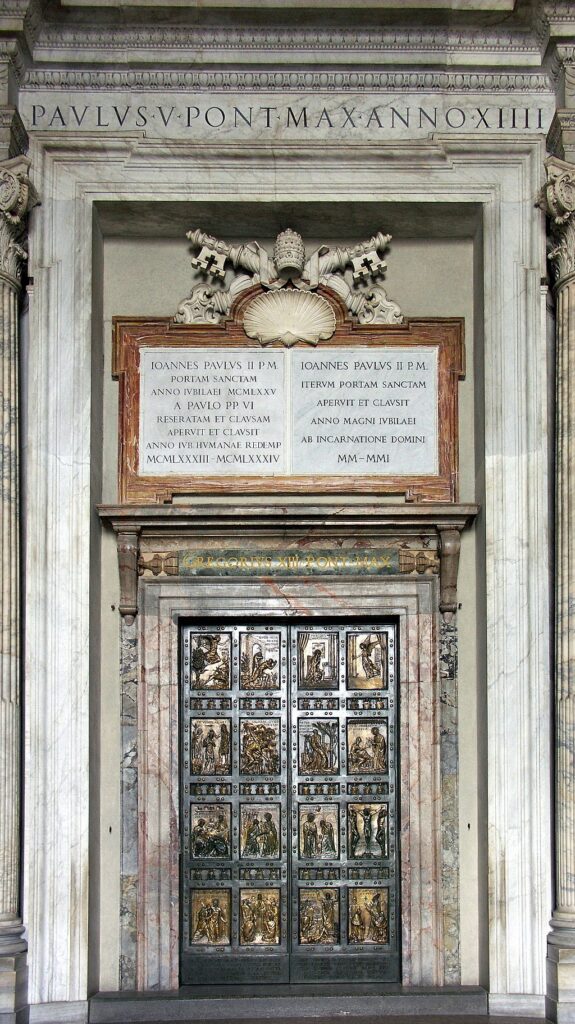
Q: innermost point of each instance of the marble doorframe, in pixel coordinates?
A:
(425, 905)
(501, 173)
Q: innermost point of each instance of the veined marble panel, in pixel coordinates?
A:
(163, 603)
(449, 799)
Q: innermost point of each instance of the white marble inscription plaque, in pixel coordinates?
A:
(365, 411)
(213, 411)
(251, 412)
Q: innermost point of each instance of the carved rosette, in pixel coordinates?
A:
(17, 197)
(557, 199)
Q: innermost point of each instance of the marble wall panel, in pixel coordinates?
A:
(129, 803)
(449, 799)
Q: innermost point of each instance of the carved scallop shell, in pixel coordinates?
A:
(289, 316)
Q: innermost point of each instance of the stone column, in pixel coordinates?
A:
(558, 200)
(16, 199)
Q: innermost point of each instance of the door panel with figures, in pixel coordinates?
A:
(288, 782)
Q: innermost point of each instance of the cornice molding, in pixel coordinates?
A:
(14, 53)
(20, 19)
(62, 38)
(559, 17)
(297, 81)
(11, 124)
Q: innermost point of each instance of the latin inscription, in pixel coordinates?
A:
(326, 116)
(366, 412)
(251, 412)
(216, 411)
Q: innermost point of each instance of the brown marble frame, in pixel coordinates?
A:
(430, 908)
(130, 334)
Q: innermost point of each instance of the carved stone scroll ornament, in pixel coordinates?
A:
(17, 197)
(295, 313)
(449, 548)
(557, 200)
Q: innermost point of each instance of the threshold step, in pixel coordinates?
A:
(318, 1004)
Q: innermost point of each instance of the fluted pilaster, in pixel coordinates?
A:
(16, 199)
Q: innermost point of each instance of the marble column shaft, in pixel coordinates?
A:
(16, 198)
(564, 913)
(558, 200)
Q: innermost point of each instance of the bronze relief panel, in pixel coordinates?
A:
(211, 917)
(367, 661)
(260, 917)
(368, 917)
(210, 746)
(260, 746)
(260, 661)
(319, 916)
(211, 661)
(260, 829)
(319, 831)
(318, 746)
(211, 831)
(367, 743)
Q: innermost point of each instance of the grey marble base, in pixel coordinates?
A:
(287, 1003)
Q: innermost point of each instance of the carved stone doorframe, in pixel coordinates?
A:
(502, 174)
(429, 915)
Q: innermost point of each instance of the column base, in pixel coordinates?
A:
(560, 1000)
(13, 988)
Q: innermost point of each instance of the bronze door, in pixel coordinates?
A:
(289, 837)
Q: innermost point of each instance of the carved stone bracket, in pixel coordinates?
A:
(557, 200)
(449, 548)
(128, 549)
(174, 529)
(289, 316)
(17, 198)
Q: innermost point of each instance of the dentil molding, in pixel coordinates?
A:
(62, 38)
(286, 81)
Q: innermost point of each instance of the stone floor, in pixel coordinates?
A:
(419, 1019)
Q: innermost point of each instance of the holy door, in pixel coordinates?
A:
(288, 802)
